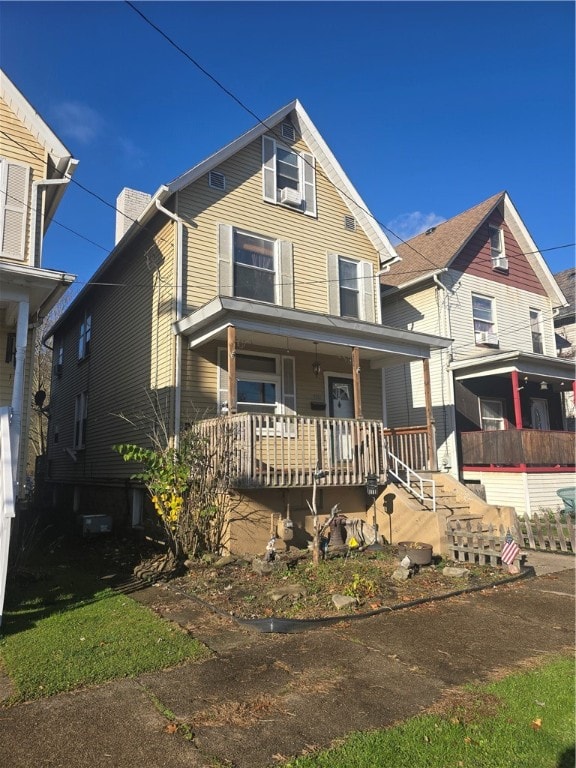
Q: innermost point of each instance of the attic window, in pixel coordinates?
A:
(499, 260)
(288, 131)
(217, 180)
(350, 223)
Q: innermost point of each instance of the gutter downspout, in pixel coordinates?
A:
(36, 189)
(451, 395)
(178, 312)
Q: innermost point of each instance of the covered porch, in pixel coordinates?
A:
(302, 391)
(511, 413)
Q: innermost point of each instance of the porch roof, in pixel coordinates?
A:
(42, 288)
(525, 363)
(380, 344)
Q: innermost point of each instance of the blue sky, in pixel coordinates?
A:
(430, 107)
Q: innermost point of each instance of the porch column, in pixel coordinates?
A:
(232, 391)
(430, 422)
(516, 400)
(357, 383)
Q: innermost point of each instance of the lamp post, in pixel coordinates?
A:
(372, 491)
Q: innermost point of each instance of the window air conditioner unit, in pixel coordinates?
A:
(485, 337)
(500, 263)
(290, 196)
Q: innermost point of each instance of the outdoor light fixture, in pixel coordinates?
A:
(372, 491)
(543, 386)
(316, 365)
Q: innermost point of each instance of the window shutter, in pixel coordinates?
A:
(269, 169)
(309, 176)
(367, 290)
(333, 285)
(288, 385)
(13, 210)
(225, 245)
(286, 272)
(222, 379)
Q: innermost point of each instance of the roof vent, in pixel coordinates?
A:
(217, 180)
(350, 223)
(430, 231)
(288, 131)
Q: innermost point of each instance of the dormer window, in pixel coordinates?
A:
(499, 260)
(289, 177)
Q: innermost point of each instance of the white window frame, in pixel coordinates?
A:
(282, 406)
(537, 327)
(274, 244)
(306, 176)
(476, 320)
(496, 250)
(500, 420)
(366, 287)
(343, 288)
(85, 337)
(80, 420)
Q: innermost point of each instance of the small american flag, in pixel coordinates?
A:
(510, 550)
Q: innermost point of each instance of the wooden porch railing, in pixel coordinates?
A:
(513, 447)
(258, 450)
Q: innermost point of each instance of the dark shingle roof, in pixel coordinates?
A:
(435, 248)
(566, 282)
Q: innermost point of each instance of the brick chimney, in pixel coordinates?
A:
(129, 204)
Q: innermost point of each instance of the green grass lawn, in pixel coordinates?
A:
(526, 719)
(69, 630)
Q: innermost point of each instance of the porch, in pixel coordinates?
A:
(525, 448)
(274, 451)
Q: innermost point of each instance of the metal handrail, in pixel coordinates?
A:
(394, 464)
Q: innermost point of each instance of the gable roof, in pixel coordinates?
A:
(566, 282)
(331, 167)
(319, 149)
(61, 157)
(59, 154)
(434, 251)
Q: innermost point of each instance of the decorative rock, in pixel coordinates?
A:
(290, 590)
(456, 573)
(401, 574)
(261, 567)
(226, 560)
(343, 601)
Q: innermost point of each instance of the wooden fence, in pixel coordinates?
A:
(546, 531)
(476, 544)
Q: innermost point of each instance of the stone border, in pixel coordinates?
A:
(274, 624)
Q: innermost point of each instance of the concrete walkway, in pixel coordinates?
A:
(264, 697)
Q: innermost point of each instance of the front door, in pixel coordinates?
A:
(340, 397)
(539, 412)
(341, 406)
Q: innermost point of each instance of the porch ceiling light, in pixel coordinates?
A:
(316, 365)
(543, 386)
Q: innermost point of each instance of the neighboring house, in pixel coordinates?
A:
(247, 287)
(565, 326)
(479, 279)
(35, 168)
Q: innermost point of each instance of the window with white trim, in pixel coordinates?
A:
(492, 414)
(536, 331)
(80, 420)
(59, 360)
(14, 186)
(497, 254)
(484, 319)
(253, 266)
(350, 287)
(265, 383)
(288, 177)
(84, 337)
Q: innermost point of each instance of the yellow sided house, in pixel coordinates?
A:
(35, 168)
(246, 290)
